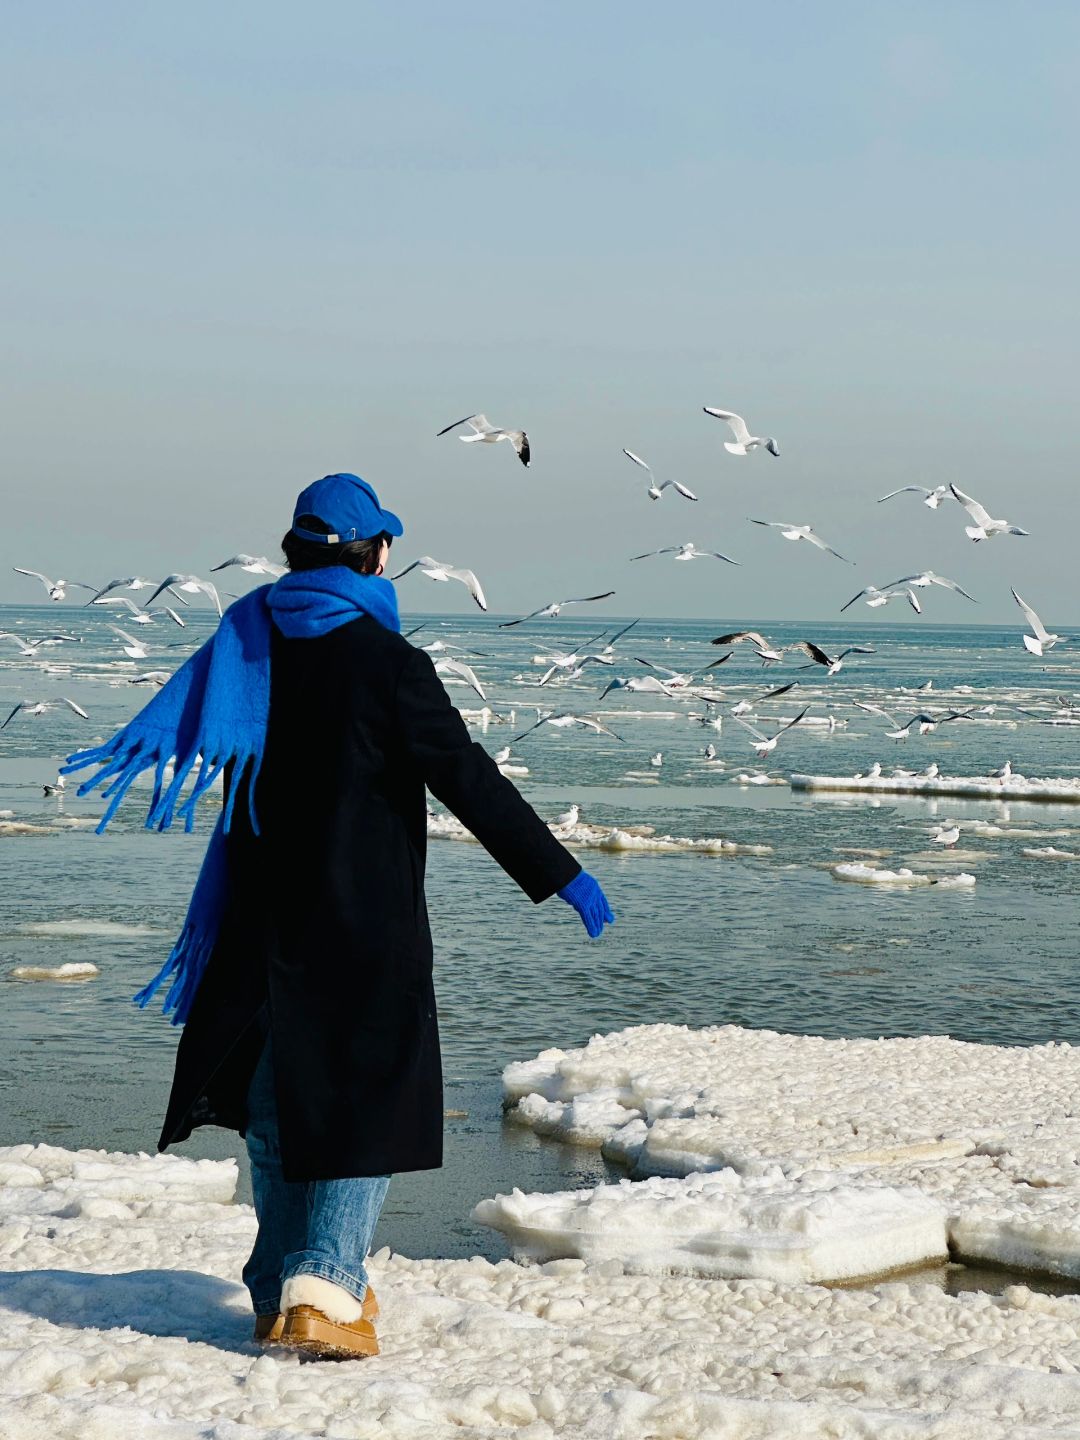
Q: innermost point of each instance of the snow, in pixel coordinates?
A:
(641, 838)
(873, 875)
(988, 1132)
(122, 1317)
(987, 787)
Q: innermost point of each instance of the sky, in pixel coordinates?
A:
(247, 245)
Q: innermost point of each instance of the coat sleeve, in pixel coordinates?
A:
(464, 777)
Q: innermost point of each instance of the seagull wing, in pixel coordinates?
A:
(129, 638)
(737, 423)
(471, 583)
(620, 633)
(413, 566)
(856, 650)
(874, 710)
(505, 624)
(481, 424)
(638, 461)
(948, 584)
(11, 714)
(465, 420)
(918, 489)
(790, 723)
(772, 524)
(681, 489)
(780, 690)
(466, 673)
(752, 728)
(667, 550)
(37, 575)
(169, 580)
(72, 706)
(870, 589)
(583, 599)
(716, 555)
(1041, 632)
(237, 560)
(973, 508)
(542, 721)
(721, 661)
(821, 545)
(814, 651)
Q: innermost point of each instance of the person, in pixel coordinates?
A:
(303, 974)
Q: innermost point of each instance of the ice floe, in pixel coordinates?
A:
(79, 927)
(986, 787)
(73, 970)
(637, 838)
(873, 875)
(1049, 852)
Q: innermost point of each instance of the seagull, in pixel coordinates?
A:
(133, 582)
(947, 837)
(765, 743)
(253, 564)
(765, 649)
(640, 684)
(933, 497)
(689, 551)
(57, 786)
(192, 585)
(134, 647)
(710, 752)
(1043, 639)
(655, 491)
(554, 608)
(876, 598)
(984, 526)
(801, 532)
(780, 690)
(489, 434)
(574, 665)
(55, 589)
(437, 570)
(657, 760)
(31, 647)
(563, 722)
(1005, 773)
(676, 679)
(832, 664)
(465, 672)
(140, 617)
(39, 707)
(569, 818)
(151, 677)
(744, 442)
(927, 577)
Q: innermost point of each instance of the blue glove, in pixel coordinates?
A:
(590, 902)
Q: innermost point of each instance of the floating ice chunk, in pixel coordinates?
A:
(21, 827)
(73, 970)
(126, 1177)
(624, 839)
(978, 787)
(812, 1229)
(1049, 852)
(79, 928)
(861, 874)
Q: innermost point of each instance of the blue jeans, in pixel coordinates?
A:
(319, 1227)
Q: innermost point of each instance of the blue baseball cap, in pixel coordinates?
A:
(348, 506)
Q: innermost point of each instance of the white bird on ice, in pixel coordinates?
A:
(134, 647)
(437, 570)
(1043, 639)
(876, 598)
(928, 577)
(933, 497)
(253, 564)
(689, 551)
(983, 526)
(462, 671)
(655, 491)
(55, 589)
(710, 752)
(191, 585)
(831, 663)
(800, 532)
(488, 434)
(553, 609)
(502, 757)
(744, 442)
(39, 707)
(657, 760)
(765, 743)
(569, 818)
(947, 837)
(1005, 773)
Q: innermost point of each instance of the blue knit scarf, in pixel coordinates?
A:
(213, 713)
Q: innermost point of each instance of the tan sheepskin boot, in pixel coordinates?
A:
(324, 1320)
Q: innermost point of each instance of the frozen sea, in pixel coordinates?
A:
(766, 941)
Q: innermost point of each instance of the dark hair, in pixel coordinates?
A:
(359, 555)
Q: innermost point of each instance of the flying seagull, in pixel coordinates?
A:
(983, 526)
(554, 608)
(689, 551)
(31, 647)
(655, 491)
(133, 646)
(563, 722)
(765, 743)
(800, 532)
(489, 434)
(132, 582)
(140, 617)
(876, 598)
(39, 707)
(55, 589)
(832, 663)
(1043, 639)
(463, 671)
(253, 564)
(191, 584)
(928, 577)
(744, 442)
(640, 684)
(437, 570)
(933, 497)
(762, 647)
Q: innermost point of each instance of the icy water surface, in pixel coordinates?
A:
(771, 940)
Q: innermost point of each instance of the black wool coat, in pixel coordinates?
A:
(326, 931)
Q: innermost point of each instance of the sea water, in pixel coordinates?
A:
(766, 940)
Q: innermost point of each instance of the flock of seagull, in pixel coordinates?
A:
(177, 586)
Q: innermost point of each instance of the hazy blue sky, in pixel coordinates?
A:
(249, 244)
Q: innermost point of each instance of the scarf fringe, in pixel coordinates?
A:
(187, 963)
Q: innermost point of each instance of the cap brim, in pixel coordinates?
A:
(391, 524)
